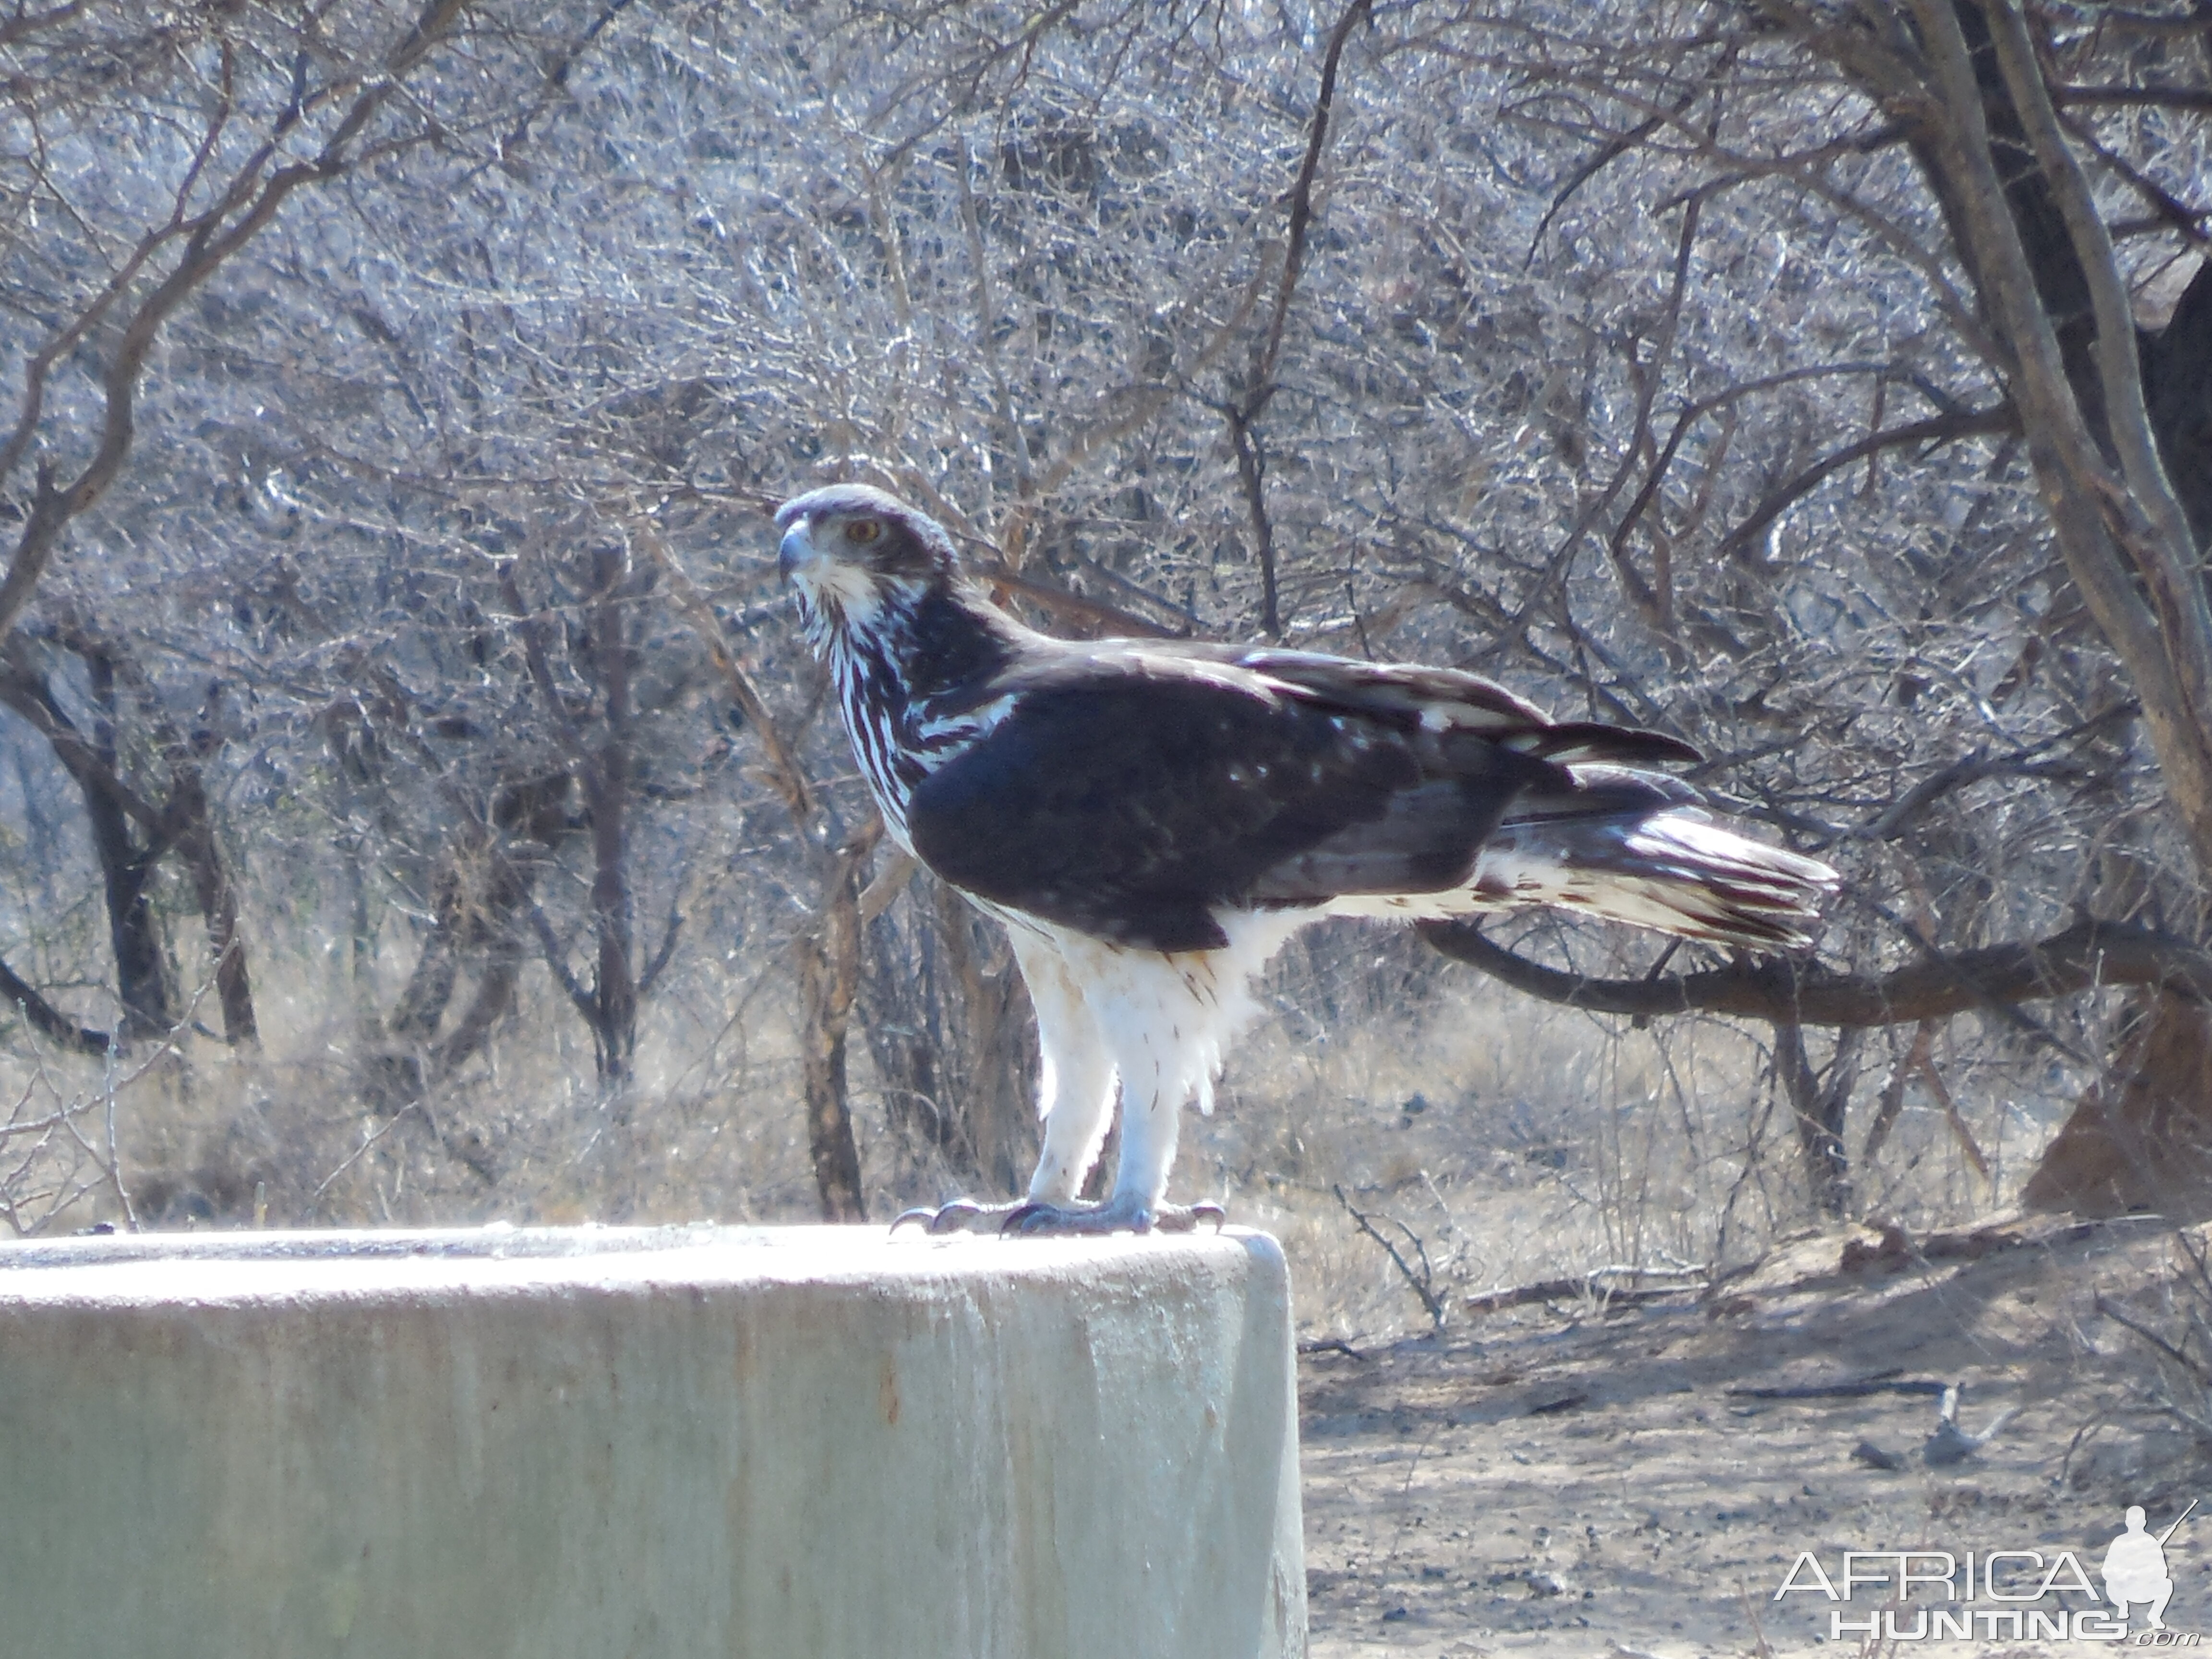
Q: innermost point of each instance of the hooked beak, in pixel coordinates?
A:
(795, 551)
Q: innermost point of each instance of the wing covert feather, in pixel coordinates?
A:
(1131, 801)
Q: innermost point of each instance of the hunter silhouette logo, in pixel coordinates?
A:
(1896, 1596)
(2134, 1568)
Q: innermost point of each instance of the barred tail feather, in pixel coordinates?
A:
(1674, 870)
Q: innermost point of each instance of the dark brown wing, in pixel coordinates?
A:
(1131, 790)
(1450, 699)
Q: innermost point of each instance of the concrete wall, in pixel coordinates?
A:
(785, 1441)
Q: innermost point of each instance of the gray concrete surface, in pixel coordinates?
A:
(637, 1443)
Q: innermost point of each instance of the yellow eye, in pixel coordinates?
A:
(861, 531)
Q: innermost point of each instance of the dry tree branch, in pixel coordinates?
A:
(1605, 155)
(24, 25)
(1656, 605)
(209, 241)
(1418, 1283)
(828, 952)
(1252, 475)
(49, 1020)
(2169, 211)
(1892, 1099)
(530, 625)
(785, 773)
(2189, 98)
(1933, 1077)
(1935, 429)
(557, 960)
(1077, 607)
(1804, 171)
(1241, 413)
(2087, 955)
(1260, 384)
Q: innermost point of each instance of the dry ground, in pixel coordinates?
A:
(1580, 1479)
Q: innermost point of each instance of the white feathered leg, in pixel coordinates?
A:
(1075, 1090)
(1152, 1123)
(1162, 1020)
(1156, 1021)
(1075, 1096)
(1152, 1119)
(1117, 1038)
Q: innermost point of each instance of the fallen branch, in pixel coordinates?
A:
(1331, 1344)
(1579, 1286)
(1888, 1383)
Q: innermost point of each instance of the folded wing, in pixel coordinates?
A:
(1132, 790)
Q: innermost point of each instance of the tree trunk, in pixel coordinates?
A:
(1819, 1115)
(996, 1111)
(195, 841)
(2023, 220)
(606, 785)
(142, 979)
(141, 970)
(482, 903)
(2140, 1139)
(828, 977)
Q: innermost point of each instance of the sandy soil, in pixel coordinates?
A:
(1580, 1479)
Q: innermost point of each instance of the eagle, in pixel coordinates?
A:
(1151, 819)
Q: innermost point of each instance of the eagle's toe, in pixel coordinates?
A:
(1039, 1220)
(1114, 1216)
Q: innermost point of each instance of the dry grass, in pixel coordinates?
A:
(1496, 1141)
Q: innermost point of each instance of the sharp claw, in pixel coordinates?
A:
(1212, 1212)
(960, 1215)
(950, 1218)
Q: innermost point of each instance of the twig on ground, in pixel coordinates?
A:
(1889, 1383)
(1759, 1648)
(1583, 1286)
(1331, 1344)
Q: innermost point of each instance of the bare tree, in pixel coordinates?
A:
(2023, 283)
(1822, 383)
(105, 241)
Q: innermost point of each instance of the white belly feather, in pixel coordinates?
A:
(1173, 1014)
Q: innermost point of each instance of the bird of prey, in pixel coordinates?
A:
(1151, 820)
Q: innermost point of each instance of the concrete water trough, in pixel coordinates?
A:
(647, 1442)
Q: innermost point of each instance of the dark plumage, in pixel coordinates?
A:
(1136, 788)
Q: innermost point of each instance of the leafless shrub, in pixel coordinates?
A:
(416, 673)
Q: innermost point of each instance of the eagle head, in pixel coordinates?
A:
(855, 554)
